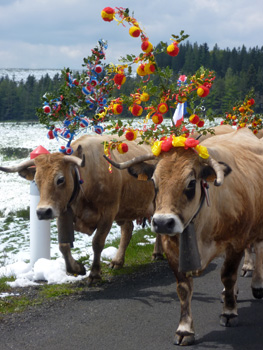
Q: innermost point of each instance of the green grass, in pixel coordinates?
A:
(137, 256)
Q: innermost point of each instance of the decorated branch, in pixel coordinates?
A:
(172, 98)
(242, 115)
(81, 101)
(154, 112)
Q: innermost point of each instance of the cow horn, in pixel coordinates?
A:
(130, 162)
(218, 170)
(76, 160)
(13, 169)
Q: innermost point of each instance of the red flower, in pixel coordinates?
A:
(190, 142)
(166, 144)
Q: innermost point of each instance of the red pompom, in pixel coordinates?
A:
(173, 49)
(136, 110)
(201, 123)
(157, 118)
(119, 79)
(203, 91)
(107, 14)
(47, 109)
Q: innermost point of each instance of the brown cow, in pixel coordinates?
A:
(231, 223)
(103, 197)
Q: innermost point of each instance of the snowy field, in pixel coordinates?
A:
(15, 196)
(22, 74)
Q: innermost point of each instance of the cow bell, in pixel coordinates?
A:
(189, 258)
(65, 227)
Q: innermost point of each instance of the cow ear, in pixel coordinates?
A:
(28, 173)
(209, 174)
(142, 171)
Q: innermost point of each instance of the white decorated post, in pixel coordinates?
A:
(39, 229)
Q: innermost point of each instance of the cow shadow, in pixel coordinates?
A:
(154, 282)
(246, 336)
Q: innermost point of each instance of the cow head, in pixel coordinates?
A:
(178, 177)
(56, 180)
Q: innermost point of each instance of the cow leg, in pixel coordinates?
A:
(185, 334)
(229, 271)
(98, 244)
(126, 234)
(257, 277)
(65, 239)
(248, 265)
(72, 266)
(158, 248)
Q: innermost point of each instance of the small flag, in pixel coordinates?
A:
(179, 113)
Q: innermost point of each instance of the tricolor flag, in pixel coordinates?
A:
(180, 111)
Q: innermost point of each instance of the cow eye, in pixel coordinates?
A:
(190, 190)
(60, 180)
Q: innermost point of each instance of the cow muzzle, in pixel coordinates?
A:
(168, 224)
(45, 213)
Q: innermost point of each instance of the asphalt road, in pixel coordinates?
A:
(137, 312)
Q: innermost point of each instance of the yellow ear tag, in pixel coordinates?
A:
(142, 177)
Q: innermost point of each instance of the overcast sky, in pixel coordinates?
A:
(60, 33)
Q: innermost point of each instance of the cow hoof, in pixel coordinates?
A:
(79, 269)
(228, 320)
(157, 256)
(93, 278)
(184, 340)
(116, 265)
(246, 273)
(257, 293)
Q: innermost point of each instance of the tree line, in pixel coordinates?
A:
(237, 72)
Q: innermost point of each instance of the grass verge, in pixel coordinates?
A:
(138, 254)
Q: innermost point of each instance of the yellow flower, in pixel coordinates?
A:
(202, 151)
(178, 141)
(156, 148)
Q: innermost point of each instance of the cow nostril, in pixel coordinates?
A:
(163, 224)
(170, 224)
(44, 214)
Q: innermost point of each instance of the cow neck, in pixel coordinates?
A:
(204, 195)
(76, 186)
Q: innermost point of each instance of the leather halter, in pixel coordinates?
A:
(77, 183)
(204, 195)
